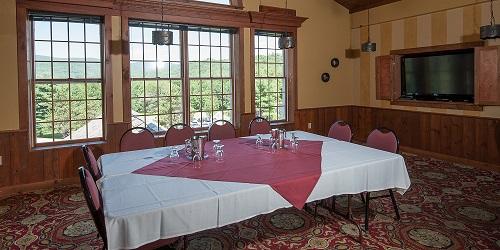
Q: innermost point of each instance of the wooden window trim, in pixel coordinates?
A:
(182, 11)
(277, 20)
(288, 91)
(24, 64)
(290, 73)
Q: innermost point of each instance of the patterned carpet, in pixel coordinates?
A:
(449, 206)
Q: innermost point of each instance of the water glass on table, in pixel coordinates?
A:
(188, 146)
(294, 142)
(216, 144)
(259, 142)
(174, 152)
(219, 152)
(274, 145)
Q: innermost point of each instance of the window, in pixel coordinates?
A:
(190, 81)
(270, 77)
(156, 79)
(67, 78)
(210, 77)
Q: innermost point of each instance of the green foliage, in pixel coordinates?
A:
(63, 101)
(270, 86)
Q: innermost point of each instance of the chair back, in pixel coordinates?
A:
(177, 134)
(136, 139)
(94, 202)
(383, 139)
(259, 125)
(91, 163)
(341, 131)
(220, 130)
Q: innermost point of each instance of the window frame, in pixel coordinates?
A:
(157, 78)
(25, 73)
(234, 45)
(284, 77)
(290, 67)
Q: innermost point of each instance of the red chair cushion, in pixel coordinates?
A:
(383, 141)
(340, 132)
(137, 141)
(259, 126)
(176, 136)
(221, 131)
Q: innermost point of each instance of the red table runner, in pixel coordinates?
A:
(292, 174)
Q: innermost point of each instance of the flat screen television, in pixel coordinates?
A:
(442, 76)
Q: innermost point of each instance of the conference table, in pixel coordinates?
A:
(142, 208)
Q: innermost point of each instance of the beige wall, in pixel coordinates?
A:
(9, 111)
(415, 23)
(324, 35)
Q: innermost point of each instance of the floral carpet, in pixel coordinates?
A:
(448, 206)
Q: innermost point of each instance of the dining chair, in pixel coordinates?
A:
(259, 125)
(94, 202)
(136, 139)
(220, 130)
(383, 139)
(91, 163)
(341, 131)
(177, 134)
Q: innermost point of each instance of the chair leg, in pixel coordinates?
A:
(334, 198)
(349, 207)
(316, 208)
(367, 209)
(394, 204)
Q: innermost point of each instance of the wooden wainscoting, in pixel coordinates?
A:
(471, 138)
(321, 118)
(35, 168)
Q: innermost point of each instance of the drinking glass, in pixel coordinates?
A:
(219, 152)
(216, 144)
(273, 146)
(174, 152)
(294, 142)
(188, 146)
(259, 142)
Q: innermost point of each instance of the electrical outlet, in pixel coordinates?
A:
(309, 125)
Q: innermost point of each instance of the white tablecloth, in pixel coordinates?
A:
(140, 209)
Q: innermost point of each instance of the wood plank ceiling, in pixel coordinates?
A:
(360, 5)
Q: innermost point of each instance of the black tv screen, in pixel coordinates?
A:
(445, 76)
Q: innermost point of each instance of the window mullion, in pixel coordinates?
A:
(185, 77)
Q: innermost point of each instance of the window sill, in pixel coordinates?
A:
(281, 123)
(438, 104)
(67, 145)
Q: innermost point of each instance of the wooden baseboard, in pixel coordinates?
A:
(12, 190)
(454, 159)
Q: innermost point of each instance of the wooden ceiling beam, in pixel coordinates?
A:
(360, 5)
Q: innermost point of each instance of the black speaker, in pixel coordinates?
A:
(489, 32)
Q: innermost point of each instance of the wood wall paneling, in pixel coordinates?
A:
(23, 165)
(472, 138)
(487, 73)
(383, 64)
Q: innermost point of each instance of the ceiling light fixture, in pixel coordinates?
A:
(369, 46)
(162, 37)
(492, 30)
(287, 40)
